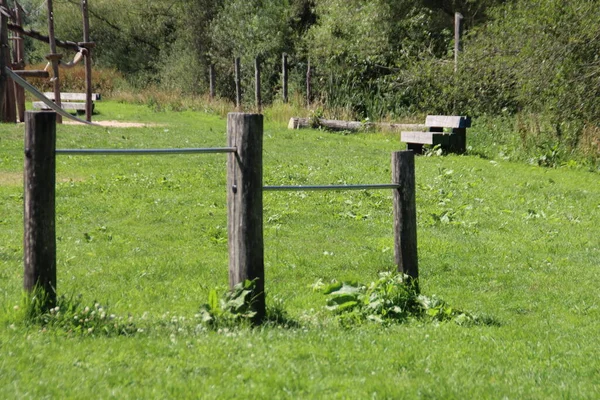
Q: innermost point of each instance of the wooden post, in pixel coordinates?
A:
(405, 213)
(245, 204)
(308, 94)
(8, 112)
(457, 32)
(211, 81)
(3, 74)
(54, 58)
(257, 98)
(20, 61)
(284, 76)
(238, 85)
(88, 60)
(39, 211)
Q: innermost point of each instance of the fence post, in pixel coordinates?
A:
(308, 88)
(245, 204)
(257, 98)
(284, 76)
(39, 212)
(238, 85)
(405, 213)
(211, 81)
(88, 60)
(457, 33)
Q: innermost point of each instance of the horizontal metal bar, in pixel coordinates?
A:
(332, 187)
(146, 151)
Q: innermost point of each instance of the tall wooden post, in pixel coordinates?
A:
(457, 33)
(211, 81)
(405, 213)
(238, 85)
(39, 211)
(20, 61)
(245, 204)
(7, 92)
(308, 94)
(284, 76)
(54, 58)
(257, 97)
(88, 60)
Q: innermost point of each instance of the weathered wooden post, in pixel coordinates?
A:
(257, 97)
(54, 58)
(245, 204)
(8, 112)
(308, 89)
(238, 85)
(405, 213)
(211, 81)
(457, 32)
(284, 76)
(88, 59)
(19, 51)
(39, 212)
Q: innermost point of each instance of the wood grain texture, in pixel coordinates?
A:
(405, 213)
(39, 205)
(245, 203)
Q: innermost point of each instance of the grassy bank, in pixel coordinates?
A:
(146, 237)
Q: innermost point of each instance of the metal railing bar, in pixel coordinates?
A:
(331, 187)
(146, 151)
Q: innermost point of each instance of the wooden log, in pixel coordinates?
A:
(53, 57)
(405, 214)
(245, 204)
(39, 211)
(238, 85)
(257, 97)
(89, 106)
(331, 124)
(211, 81)
(284, 77)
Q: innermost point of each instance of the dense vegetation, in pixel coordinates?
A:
(534, 61)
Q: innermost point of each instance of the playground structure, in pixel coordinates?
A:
(12, 56)
(244, 202)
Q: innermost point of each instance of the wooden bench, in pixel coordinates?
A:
(449, 132)
(68, 101)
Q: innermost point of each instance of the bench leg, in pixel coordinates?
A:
(416, 148)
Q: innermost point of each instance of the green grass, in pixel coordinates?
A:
(147, 236)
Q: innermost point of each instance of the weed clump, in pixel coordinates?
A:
(75, 318)
(393, 298)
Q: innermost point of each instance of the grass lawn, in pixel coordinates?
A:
(147, 237)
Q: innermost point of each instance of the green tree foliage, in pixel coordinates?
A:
(543, 62)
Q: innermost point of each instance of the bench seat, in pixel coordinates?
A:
(447, 131)
(68, 101)
(431, 138)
